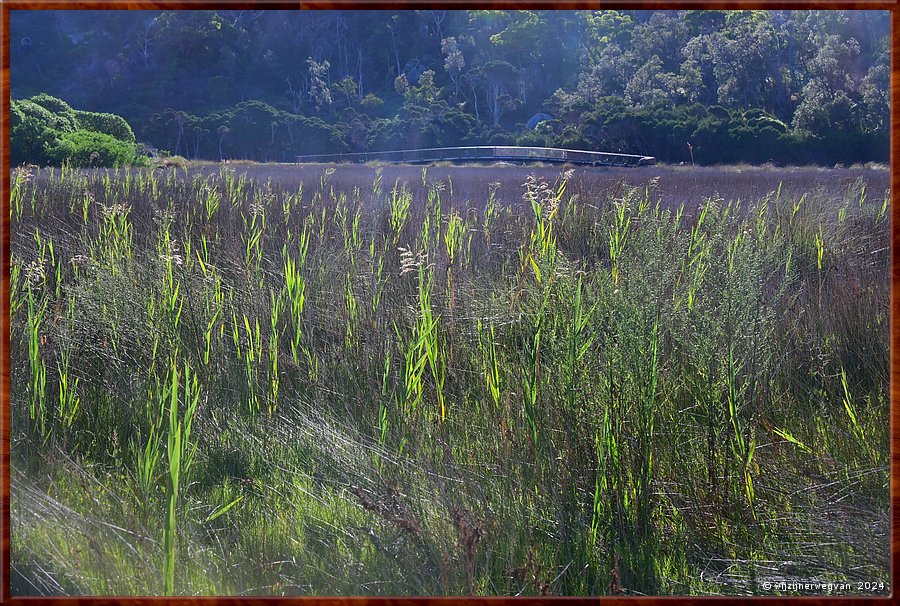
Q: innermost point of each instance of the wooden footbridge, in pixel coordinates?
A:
(485, 154)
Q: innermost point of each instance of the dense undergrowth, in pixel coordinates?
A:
(231, 386)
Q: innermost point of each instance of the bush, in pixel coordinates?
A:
(57, 122)
(533, 139)
(313, 135)
(46, 130)
(109, 124)
(31, 131)
(54, 105)
(89, 148)
(498, 136)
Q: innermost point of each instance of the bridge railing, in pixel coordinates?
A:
(486, 153)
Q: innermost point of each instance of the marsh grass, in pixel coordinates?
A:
(400, 381)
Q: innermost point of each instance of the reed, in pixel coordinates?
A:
(491, 382)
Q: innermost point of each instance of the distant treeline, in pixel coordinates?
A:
(792, 87)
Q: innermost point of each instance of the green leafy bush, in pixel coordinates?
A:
(31, 130)
(109, 124)
(54, 106)
(46, 130)
(90, 148)
(63, 122)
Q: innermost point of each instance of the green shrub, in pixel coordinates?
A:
(46, 130)
(59, 122)
(533, 139)
(54, 105)
(110, 124)
(497, 136)
(31, 130)
(89, 148)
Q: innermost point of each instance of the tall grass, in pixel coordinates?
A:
(548, 384)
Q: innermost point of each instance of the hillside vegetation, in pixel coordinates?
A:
(711, 87)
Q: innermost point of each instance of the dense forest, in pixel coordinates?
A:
(790, 87)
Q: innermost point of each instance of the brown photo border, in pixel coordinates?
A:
(893, 6)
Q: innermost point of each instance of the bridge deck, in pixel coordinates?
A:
(486, 154)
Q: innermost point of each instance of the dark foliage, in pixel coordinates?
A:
(748, 86)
